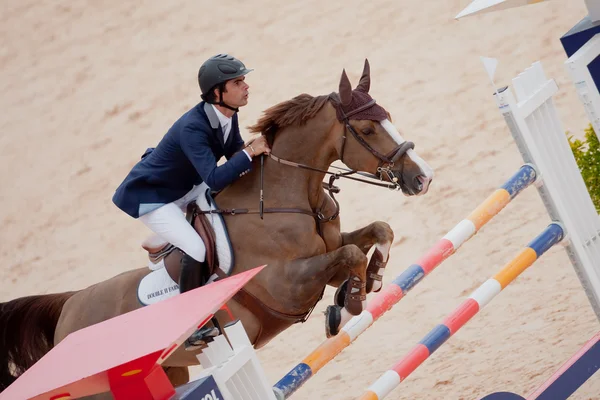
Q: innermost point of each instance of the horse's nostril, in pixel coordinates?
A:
(419, 181)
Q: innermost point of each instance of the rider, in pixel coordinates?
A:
(168, 177)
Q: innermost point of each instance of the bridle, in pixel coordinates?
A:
(386, 163)
(389, 158)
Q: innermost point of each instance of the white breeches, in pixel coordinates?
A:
(170, 224)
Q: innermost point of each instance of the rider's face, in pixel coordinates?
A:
(236, 92)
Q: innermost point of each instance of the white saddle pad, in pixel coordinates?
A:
(158, 285)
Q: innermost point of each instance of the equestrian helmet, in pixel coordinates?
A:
(219, 69)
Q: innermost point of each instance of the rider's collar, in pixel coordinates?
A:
(213, 118)
(224, 120)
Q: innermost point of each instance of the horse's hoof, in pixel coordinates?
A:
(333, 319)
(340, 294)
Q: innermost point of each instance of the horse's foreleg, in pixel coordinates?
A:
(379, 234)
(308, 276)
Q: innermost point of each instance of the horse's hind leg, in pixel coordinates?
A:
(177, 375)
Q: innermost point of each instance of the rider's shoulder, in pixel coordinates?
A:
(195, 119)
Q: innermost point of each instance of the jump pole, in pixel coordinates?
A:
(553, 234)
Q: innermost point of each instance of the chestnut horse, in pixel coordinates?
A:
(298, 236)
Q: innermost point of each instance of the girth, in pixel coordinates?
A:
(273, 322)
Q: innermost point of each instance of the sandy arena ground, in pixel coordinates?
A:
(88, 86)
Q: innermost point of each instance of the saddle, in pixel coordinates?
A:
(162, 253)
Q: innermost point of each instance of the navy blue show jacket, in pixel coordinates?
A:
(186, 156)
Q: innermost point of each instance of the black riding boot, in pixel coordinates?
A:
(192, 276)
(191, 273)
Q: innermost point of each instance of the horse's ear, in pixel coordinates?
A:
(365, 80)
(345, 89)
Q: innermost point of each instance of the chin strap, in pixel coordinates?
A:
(222, 104)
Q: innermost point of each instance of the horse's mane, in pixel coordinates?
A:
(290, 112)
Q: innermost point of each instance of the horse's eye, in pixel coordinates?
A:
(367, 131)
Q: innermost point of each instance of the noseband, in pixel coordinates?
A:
(389, 158)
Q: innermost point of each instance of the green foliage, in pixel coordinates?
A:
(587, 155)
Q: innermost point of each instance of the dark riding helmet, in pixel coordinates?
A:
(219, 69)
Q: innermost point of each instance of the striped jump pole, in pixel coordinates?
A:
(479, 298)
(397, 289)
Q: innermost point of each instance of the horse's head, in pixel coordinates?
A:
(371, 143)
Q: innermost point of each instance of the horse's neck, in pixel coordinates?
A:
(310, 144)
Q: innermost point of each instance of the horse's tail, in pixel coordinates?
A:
(27, 329)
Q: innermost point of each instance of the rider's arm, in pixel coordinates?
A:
(196, 146)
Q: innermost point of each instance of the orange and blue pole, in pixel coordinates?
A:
(458, 318)
(401, 285)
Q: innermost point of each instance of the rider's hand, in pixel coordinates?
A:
(258, 146)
